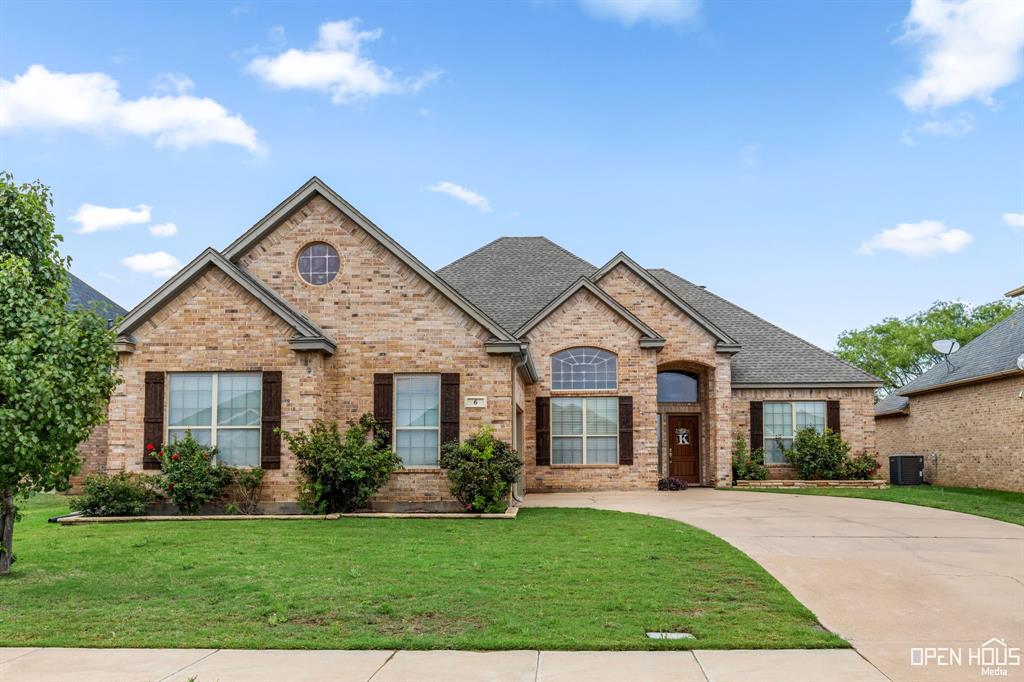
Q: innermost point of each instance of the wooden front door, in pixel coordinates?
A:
(684, 445)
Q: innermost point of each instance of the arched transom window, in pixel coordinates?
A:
(583, 369)
(678, 387)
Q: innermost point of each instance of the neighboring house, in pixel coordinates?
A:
(82, 296)
(965, 416)
(603, 378)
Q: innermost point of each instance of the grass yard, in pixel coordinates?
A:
(995, 504)
(551, 579)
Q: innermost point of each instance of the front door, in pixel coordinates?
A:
(684, 440)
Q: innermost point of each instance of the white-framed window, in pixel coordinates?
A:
(417, 419)
(783, 420)
(584, 430)
(221, 409)
(575, 369)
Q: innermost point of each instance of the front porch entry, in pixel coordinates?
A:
(684, 447)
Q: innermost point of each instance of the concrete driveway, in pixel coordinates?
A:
(887, 577)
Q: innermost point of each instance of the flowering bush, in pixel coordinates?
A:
(123, 494)
(340, 474)
(189, 474)
(827, 456)
(746, 465)
(481, 471)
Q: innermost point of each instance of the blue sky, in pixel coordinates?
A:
(821, 164)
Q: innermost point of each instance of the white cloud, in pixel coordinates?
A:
(1014, 220)
(163, 230)
(91, 102)
(969, 50)
(463, 194)
(93, 218)
(631, 12)
(334, 64)
(176, 83)
(926, 238)
(750, 156)
(954, 127)
(158, 264)
(277, 37)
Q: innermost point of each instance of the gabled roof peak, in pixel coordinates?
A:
(724, 341)
(308, 335)
(649, 338)
(315, 185)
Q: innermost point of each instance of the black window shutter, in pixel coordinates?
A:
(270, 439)
(543, 451)
(449, 408)
(756, 425)
(832, 416)
(625, 430)
(153, 420)
(383, 399)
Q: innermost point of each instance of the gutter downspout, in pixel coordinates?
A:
(523, 359)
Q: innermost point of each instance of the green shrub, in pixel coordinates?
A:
(746, 465)
(243, 491)
(123, 494)
(481, 471)
(817, 456)
(189, 474)
(862, 467)
(339, 475)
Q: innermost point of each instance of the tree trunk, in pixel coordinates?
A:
(6, 531)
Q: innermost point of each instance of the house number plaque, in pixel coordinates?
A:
(683, 436)
(476, 401)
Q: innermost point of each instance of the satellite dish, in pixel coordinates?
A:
(1020, 361)
(946, 346)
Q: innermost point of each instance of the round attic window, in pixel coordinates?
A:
(318, 263)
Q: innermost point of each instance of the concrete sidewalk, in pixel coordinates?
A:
(223, 665)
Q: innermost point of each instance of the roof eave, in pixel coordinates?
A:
(807, 384)
(962, 382)
(318, 343)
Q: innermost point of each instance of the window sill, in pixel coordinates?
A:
(584, 466)
(422, 469)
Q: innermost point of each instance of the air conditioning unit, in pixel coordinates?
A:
(906, 469)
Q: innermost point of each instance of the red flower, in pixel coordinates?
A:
(150, 447)
(174, 457)
(469, 506)
(170, 487)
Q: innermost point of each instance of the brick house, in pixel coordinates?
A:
(966, 417)
(602, 377)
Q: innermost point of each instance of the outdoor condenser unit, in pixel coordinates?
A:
(906, 469)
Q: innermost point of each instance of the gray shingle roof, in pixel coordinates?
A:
(513, 278)
(891, 404)
(81, 295)
(768, 354)
(993, 352)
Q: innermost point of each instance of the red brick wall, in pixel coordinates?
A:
(976, 433)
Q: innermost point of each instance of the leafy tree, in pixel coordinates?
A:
(56, 365)
(898, 351)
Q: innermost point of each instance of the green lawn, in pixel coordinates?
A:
(995, 504)
(551, 579)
